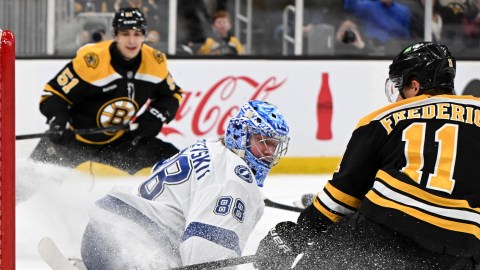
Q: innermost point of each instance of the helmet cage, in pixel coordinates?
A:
(393, 87)
(267, 140)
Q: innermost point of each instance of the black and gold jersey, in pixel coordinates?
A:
(412, 166)
(98, 88)
(217, 45)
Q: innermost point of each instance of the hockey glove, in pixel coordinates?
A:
(58, 132)
(151, 122)
(279, 248)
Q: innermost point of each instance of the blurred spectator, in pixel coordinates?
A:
(471, 25)
(348, 38)
(452, 13)
(417, 18)
(383, 21)
(417, 21)
(220, 41)
(437, 21)
(98, 35)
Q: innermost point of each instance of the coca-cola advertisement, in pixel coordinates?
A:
(321, 100)
(207, 112)
(304, 93)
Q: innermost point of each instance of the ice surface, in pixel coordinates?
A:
(53, 201)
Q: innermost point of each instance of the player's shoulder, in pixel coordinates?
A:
(409, 105)
(390, 108)
(153, 56)
(154, 65)
(92, 61)
(93, 54)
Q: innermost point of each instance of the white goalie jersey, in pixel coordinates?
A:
(200, 205)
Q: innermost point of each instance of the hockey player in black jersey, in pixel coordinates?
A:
(406, 194)
(107, 84)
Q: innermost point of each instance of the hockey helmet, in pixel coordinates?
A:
(264, 119)
(129, 18)
(432, 64)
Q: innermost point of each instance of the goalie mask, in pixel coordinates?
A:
(129, 18)
(431, 64)
(259, 135)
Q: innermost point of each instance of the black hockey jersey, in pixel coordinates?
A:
(98, 88)
(413, 167)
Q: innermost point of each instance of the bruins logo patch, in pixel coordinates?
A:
(91, 59)
(116, 112)
(159, 56)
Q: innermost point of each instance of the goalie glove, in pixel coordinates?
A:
(279, 248)
(58, 132)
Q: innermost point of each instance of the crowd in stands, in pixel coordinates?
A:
(358, 27)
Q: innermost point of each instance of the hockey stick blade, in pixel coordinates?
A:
(50, 253)
(276, 205)
(218, 264)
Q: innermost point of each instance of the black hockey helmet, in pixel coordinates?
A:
(129, 18)
(432, 64)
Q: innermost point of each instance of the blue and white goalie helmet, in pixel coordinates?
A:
(259, 135)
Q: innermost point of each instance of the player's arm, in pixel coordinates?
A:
(57, 99)
(354, 177)
(341, 196)
(168, 98)
(164, 105)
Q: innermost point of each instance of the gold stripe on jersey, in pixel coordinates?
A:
(116, 136)
(344, 197)
(447, 224)
(49, 88)
(333, 217)
(178, 96)
(451, 214)
(464, 109)
(423, 195)
(334, 203)
(92, 64)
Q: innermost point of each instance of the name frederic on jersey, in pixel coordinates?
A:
(109, 88)
(445, 111)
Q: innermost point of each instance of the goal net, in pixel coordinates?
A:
(7, 150)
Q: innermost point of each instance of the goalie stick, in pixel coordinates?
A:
(50, 253)
(218, 264)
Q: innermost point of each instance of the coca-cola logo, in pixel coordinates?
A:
(210, 110)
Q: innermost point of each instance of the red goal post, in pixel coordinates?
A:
(7, 150)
